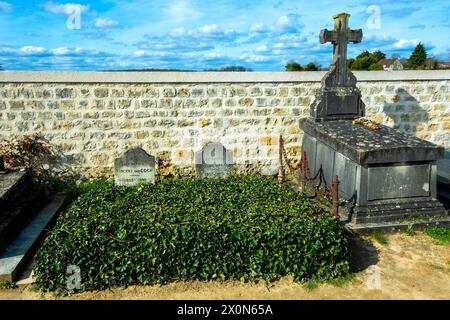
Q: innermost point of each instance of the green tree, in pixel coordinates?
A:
(418, 57)
(312, 66)
(293, 66)
(364, 54)
(378, 55)
(231, 68)
(367, 61)
(375, 67)
(350, 62)
(235, 69)
(363, 62)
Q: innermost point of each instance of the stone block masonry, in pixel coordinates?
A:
(93, 117)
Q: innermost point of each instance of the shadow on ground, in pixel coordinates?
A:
(362, 253)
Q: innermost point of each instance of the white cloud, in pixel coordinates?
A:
(6, 51)
(261, 48)
(259, 28)
(65, 51)
(106, 23)
(178, 32)
(203, 32)
(288, 23)
(251, 58)
(404, 44)
(62, 58)
(5, 6)
(182, 10)
(67, 8)
(283, 22)
(213, 28)
(56, 52)
(285, 25)
(60, 51)
(139, 53)
(32, 50)
(189, 40)
(143, 53)
(79, 52)
(211, 55)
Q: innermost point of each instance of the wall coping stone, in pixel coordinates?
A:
(209, 77)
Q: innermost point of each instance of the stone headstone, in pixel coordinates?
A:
(134, 167)
(214, 161)
(338, 97)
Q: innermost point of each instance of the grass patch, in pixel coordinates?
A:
(409, 232)
(378, 237)
(312, 284)
(336, 282)
(74, 190)
(242, 228)
(7, 285)
(437, 267)
(342, 281)
(441, 235)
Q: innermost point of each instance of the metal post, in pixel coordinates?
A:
(280, 155)
(302, 174)
(335, 198)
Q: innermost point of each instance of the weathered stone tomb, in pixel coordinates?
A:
(390, 176)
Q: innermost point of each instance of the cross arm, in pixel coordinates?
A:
(328, 36)
(355, 36)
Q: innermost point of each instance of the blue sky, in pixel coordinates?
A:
(197, 35)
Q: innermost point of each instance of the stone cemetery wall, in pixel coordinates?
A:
(94, 117)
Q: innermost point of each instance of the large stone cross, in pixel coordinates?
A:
(340, 37)
(338, 98)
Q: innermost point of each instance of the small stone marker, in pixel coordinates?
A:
(134, 167)
(214, 161)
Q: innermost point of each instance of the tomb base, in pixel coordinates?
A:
(390, 176)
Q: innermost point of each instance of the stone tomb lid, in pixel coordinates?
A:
(368, 146)
(9, 180)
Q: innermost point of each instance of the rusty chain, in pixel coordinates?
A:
(306, 178)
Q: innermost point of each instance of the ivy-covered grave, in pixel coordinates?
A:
(240, 228)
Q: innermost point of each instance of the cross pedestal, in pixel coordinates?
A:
(338, 99)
